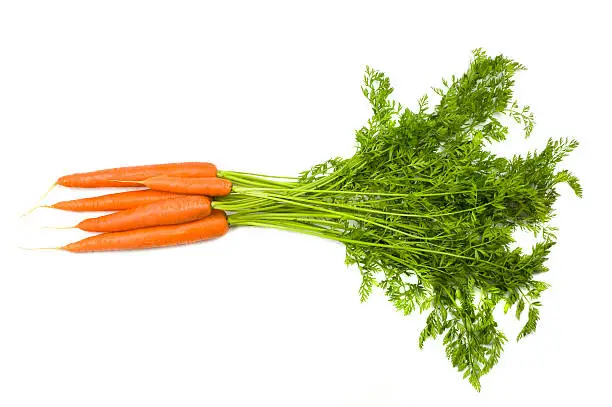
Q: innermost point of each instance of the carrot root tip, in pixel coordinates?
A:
(58, 227)
(29, 211)
(38, 204)
(40, 248)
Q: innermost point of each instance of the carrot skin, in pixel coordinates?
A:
(167, 212)
(114, 202)
(211, 227)
(194, 186)
(108, 177)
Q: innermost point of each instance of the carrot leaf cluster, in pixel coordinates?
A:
(427, 214)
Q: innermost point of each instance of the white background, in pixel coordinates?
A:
(262, 317)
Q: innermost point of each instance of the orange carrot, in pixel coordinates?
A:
(108, 177)
(114, 202)
(210, 227)
(167, 212)
(194, 186)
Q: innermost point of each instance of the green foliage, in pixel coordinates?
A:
(427, 213)
(530, 326)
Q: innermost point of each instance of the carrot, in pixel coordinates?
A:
(194, 186)
(109, 177)
(172, 211)
(210, 227)
(114, 202)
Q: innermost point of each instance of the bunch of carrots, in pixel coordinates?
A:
(426, 213)
(176, 208)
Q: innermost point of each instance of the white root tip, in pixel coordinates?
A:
(58, 227)
(39, 248)
(38, 204)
